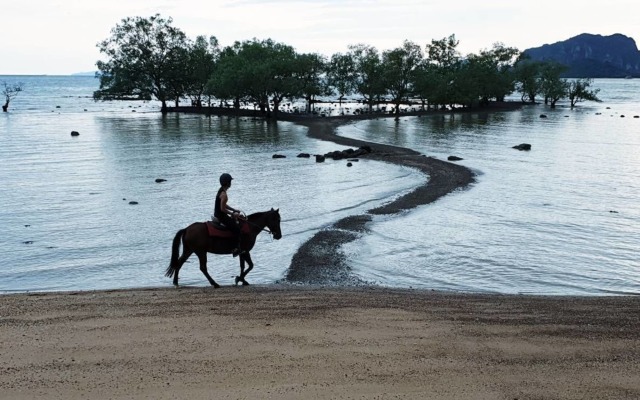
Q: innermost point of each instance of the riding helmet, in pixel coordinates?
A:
(225, 179)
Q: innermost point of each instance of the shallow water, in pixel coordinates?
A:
(560, 219)
(534, 222)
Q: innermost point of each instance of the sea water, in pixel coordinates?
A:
(559, 219)
(562, 218)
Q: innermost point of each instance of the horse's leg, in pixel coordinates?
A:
(202, 256)
(241, 269)
(245, 257)
(183, 258)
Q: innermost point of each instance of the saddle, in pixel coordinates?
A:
(217, 229)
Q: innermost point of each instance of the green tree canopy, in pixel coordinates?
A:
(399, 67)
(552, 87)
(149, 57)
(341, 75)
(579, 91)
(310, 75)
(201, 63)
(443, 64)
(145, 57)
(369, 81)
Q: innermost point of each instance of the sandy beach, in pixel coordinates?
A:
(321, 334)
(302, 342)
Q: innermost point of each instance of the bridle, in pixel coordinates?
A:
(266, 228)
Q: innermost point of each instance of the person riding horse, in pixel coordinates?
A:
(226, 214)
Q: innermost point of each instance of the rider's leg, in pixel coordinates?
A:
(238, 237)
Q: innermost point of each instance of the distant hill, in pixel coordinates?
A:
(593, 56)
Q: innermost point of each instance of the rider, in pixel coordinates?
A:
(225, 213)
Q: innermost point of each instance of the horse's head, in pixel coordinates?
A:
(273, 223)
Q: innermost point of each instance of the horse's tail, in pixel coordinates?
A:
(175, 253)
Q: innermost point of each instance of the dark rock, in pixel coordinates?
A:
(543, 116)
(349, 164)
(160, 180)
(75, 133)
(320, 158)
(348, 153)
(523, 146)
(279, 156)
(353, 160)
(336, 155)
(133, 203)
(28, 242)
(304, 155)
(454, 158)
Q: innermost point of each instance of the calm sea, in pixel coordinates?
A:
(560, 219)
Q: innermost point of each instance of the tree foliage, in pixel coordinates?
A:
(369, 80)
(443, 63)
(149, 57)
(202, 56)
(552, 87)
(399, 68)
(341, 75)
(579, 91)
(145, 57)
(310, 73)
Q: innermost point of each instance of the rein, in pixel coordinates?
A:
(266, 229)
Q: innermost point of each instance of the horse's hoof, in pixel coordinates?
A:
(237, 280)
(216, 286)
(245, 283)
(175, 285)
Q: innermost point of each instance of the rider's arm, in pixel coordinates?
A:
(227, 209)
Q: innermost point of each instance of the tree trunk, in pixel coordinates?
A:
(5, 107)
(276, 106)
(163, 109)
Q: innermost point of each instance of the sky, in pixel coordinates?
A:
(59, 37)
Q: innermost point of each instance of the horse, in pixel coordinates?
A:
(196, 239)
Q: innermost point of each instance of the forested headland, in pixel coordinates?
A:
(149, 58)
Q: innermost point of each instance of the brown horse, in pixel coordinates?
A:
(195, 239)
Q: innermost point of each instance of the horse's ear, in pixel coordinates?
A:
(272, 209)
(278, 210)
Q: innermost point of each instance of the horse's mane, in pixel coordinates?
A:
(254, 216)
